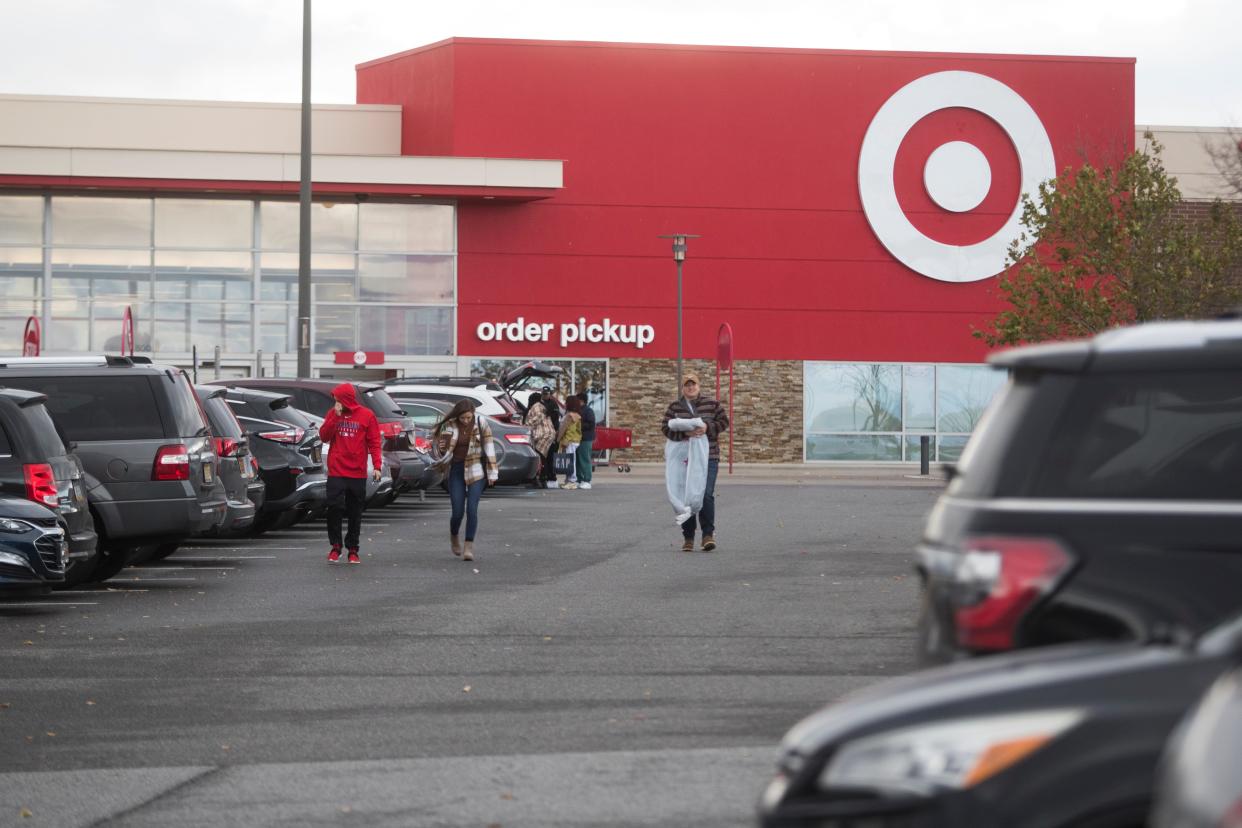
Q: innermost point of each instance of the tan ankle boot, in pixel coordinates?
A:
(456, 545)
(468, 554)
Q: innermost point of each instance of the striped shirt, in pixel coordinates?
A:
(713, 414)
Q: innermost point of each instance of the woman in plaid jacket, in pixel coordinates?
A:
(465, 442)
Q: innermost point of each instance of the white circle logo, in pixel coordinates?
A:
(360, 357)
(957, 174)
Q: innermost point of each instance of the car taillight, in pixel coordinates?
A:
(254, 464)
(390, 429)
(520, 439)
(422, 444)
(997, 580)
(171, 463)
(226, 447)
(295, 471)
(40, 483)
(288, 435)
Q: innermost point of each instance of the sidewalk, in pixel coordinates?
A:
(898, 474)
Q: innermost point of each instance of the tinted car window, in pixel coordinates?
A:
(423, 415)
(381, 405)
(1158, 436)
(46, 441)
(223, 421)
(293, 417)
(187, 415)
(100, 407)
(317, 402)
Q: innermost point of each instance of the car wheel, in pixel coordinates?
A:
(109, 564)
(163, 550)
(80, 572)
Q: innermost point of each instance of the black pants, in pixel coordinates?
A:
(549, 468)
(346, 495)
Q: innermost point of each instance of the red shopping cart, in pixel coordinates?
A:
(613, 439)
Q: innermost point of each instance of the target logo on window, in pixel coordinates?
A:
(996, 130)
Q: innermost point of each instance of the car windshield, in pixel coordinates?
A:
(381, 405)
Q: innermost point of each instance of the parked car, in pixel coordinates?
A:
(34, 551)
(239, 470)
(403, 447)
(1097, 499)
(144, 443)
(1200, 785)
(1061, 736)
(35, 464)
(286, 444)
(517, 462)
(505, 408)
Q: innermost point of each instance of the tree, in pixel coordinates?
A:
(1109, 246)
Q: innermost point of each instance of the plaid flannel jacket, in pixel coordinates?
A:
(474, 454)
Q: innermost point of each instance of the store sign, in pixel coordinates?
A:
(957, 175)
(568, 333)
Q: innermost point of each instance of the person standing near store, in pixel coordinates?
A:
(352, 432)
(553, 409)
(466, 448)
(690, 404)
(569, 436)
(542, 437)
(584, 446)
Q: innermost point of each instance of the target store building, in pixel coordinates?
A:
(491, 201)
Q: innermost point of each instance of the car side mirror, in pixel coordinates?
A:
(71, 446)
(949, 470)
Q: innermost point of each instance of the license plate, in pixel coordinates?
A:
(209, 473)
(317, 454)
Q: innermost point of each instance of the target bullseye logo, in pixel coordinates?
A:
(957, 174)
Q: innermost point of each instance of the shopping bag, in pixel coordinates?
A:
(685, 470)
(563, 462)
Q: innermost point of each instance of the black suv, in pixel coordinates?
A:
(286, 443)
(1099, 498)
(35, 464)
(239, 471)
(143, 441)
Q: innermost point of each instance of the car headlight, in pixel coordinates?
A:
(954, 754)
(14, 527)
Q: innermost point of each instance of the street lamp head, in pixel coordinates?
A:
(679, 244)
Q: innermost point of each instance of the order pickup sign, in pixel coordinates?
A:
(605, 331)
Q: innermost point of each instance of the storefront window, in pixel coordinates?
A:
(21, 220)
(846, 404)
(334, 226)
(192, 222)
(414, 280)
(111, 222)
(410, 228)
(398, 330)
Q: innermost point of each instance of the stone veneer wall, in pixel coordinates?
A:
(767, 408)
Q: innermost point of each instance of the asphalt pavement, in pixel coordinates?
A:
(581, 672)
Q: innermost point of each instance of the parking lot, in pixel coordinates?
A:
(581, 671)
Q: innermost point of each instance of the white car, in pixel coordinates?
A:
(494, 404)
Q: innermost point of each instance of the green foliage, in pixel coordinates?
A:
(1108, 247)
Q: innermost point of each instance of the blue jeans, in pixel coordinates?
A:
(583, 461)
(707, 514)
(465, 500)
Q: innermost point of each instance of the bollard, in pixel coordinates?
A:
(276, 365)
(258, 363)
(194, 361)
(217, 358)
(924, 454)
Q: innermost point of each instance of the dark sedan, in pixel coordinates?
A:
(33, 548)
(1066, 736)
(517, 462)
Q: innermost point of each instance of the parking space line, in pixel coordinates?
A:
(175, 568)
(228, 558)
(146, 580)
(6, 604)
(244, 548)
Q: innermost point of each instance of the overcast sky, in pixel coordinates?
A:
(1189, 52)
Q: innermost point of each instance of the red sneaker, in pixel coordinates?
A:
(334, 555)
(353, 556)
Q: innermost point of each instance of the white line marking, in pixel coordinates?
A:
(228, 558)
(6, 604)
(146, 580)
(176, 568)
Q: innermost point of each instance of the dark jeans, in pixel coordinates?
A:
(549, 468)
(583, 461)
(707, 515)
(346, 495)
(465, 500)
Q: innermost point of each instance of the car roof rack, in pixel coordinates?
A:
(103, 359)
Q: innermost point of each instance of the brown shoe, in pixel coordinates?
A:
(687, 545)
(709, 543)
(455, 544)
(468, 553)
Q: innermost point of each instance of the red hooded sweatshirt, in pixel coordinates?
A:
(352, 436)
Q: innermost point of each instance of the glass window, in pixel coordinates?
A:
(415, 280)
(193, 222)
(963, 392)
(406, 228)
(857, 447)
(418, 331)
(13, 316)
(920, 397)
(951, 448)
(423, 415)
(108, 325)
(196, 274)
(591, 376)
(1158, 436)
(105, 273)
(332, 277)
(112, 222)
(334, 226)
(277, 325)
(21, 272)
(914, 447)
(21, 220)
(100, 407)
(336, 329)
(861, 397)
(223, 420)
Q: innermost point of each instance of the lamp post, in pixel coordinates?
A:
(679, 256)
(304, 204)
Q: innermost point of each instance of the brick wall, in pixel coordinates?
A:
(767, 407)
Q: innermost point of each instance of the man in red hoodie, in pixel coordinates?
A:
(352, 432)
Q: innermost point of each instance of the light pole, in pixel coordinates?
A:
(679, 256)
(304, 204)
